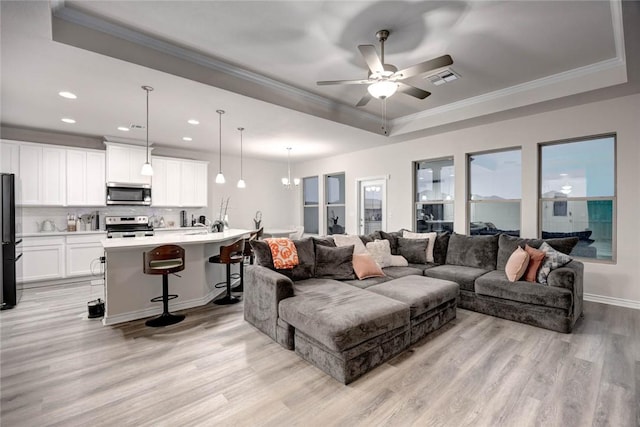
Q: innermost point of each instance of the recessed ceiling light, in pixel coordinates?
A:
(193, 122)
(67, 95)
(123, 129)
(564, 174)
(68, 120)
(186, 138)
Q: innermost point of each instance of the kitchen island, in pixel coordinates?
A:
(128, 290)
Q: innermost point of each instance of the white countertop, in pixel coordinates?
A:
(62, 233)
(172, 238)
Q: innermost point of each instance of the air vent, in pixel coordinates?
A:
(445, 76)
(134, 126)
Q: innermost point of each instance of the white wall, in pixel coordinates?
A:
(620, 280)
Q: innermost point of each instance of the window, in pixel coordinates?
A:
(334, 202)
(578, 194)
(495, 191)
(434, 182)
(310, 195)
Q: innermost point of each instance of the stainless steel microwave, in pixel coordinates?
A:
(128, 194)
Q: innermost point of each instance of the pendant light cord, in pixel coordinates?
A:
(220, 113)
(147, 125)
(241, 129)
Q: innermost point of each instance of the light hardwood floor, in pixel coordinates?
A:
(60, 368)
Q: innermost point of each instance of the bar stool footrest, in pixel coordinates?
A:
(161, 298)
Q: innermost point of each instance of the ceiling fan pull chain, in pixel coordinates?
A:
(384, 117)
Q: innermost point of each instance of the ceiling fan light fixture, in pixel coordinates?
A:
(383, 89)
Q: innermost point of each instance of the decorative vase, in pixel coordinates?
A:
(225, 221)
(257, 223)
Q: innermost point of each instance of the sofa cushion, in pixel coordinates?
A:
(395, 272)
(496, 284)
(473, 251)
(398, 261)
(344, 318)
(414, 250)
(334, 263)
(368, 238)
(380, 250)
(430, 236)
(306, 258)
(365, 283)
(507, 244)
(420, 293)
(463, 276)
(365, 266)
(323, 241)
(440, 248)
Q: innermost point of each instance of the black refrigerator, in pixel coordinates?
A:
(11, 243)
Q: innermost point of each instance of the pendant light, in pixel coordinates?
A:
(241, 183)
(147, 170)
(286, 182)
(220, 177)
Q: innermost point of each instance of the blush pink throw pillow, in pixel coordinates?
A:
(517, 264)
(365, 266)
(536, 257)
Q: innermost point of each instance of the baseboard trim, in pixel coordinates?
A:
(620, 302)
(154, 311)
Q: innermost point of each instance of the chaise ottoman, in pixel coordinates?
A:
(348, 331)
(432, 301)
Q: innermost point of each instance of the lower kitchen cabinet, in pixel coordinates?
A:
(58, 257)
(43, 258)
(83, 253)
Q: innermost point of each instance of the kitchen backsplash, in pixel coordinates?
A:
(32, 217)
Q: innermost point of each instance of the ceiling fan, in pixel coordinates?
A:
(385, 79)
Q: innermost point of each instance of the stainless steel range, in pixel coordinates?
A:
(128, 226)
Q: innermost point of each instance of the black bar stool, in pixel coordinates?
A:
(230, 254)
(248, 253)
(165, 260)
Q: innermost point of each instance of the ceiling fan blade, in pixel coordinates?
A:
(343, 82)
(412, 90)
(371, 57)
(423, 67)
(364, 100)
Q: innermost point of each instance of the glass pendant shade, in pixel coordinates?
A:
(383, 89)
(147, 170)
(220, 178)
(241, 183)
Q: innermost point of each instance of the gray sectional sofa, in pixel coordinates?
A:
(347, 327)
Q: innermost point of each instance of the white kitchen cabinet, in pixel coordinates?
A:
(166, 182)
(9, 157)
(83, 254)
(179, 182)
(43, 175)
(124, 163)
(43, 258)
(85, 178)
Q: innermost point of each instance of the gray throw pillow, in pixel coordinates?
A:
(335, 263)
(553, 259)
(414, 250)
(306, 258)
(262, 253)
(393, 239)
(324, 241)
(440, 248)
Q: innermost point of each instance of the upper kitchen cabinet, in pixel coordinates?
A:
(43, 175)
(124, 163)
(85, 178)
(9, 157)
(179, 182)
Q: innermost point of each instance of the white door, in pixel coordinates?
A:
(9, 157)
(30, 172)
(76, 173)
(96, 189)
(53, 176)
(372, 205)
